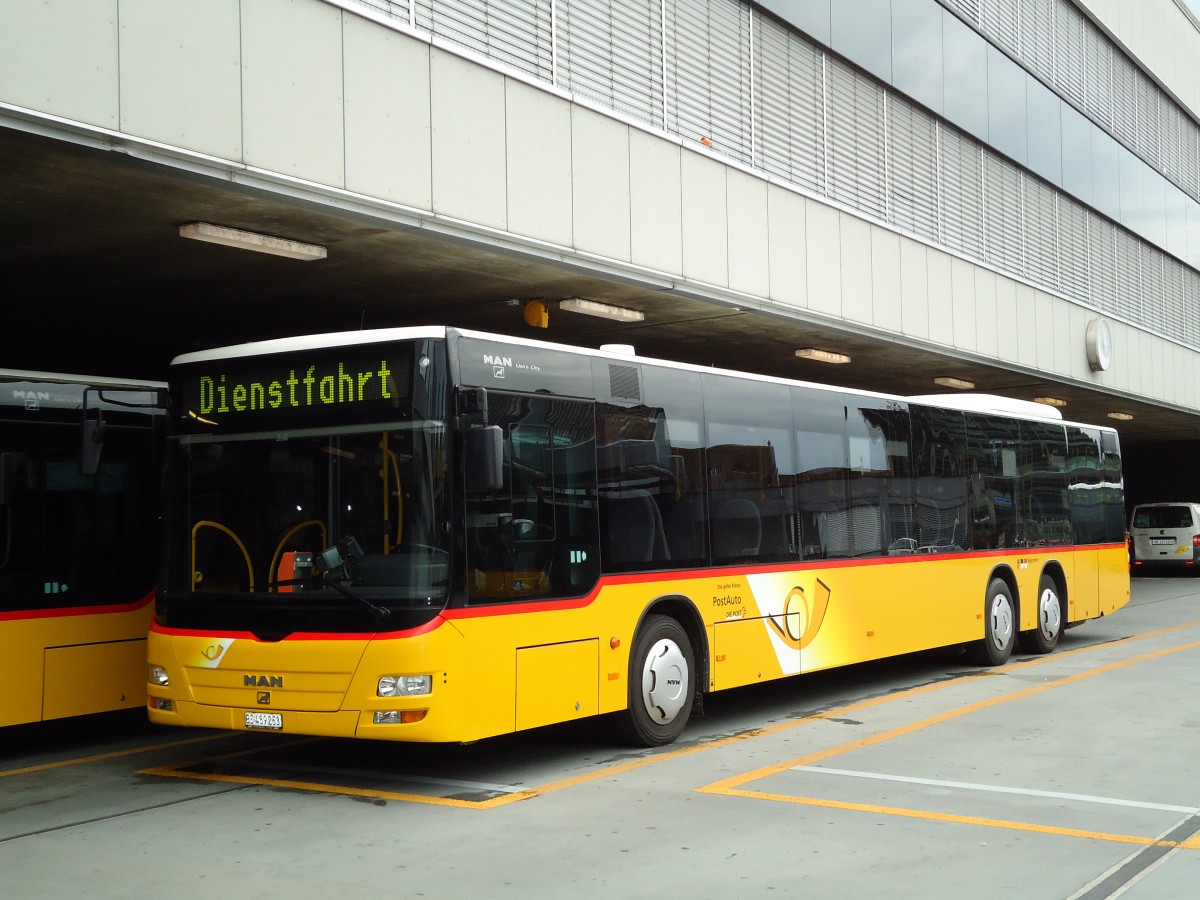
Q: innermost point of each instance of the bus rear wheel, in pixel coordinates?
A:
(1045, 636)
(999, 632)
(662, 683)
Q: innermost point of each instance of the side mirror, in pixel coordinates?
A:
(93, 443)
(12, 471)
(483, 449)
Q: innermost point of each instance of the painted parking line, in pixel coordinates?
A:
(186, 770)
(733, 786)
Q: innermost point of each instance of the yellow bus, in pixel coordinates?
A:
(433, 534)
(79, 485)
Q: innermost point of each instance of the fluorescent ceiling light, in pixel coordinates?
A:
(822, 355)
(1050, 401)
(248, 240)
(1123, 416)
(602, 310)
(961, 384)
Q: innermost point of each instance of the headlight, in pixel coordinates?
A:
(159, 676)
(404, 685)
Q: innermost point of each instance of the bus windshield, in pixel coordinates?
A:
(321, 523)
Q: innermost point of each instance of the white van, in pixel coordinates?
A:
(1164, 534)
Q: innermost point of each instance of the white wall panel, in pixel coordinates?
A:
(748, 256)
(914, 289)
(1043, 330)
(786, 242)
(387, 114)
(857, 296)
(987, 341)
(1065, 346)
(705, 219)
(600, 184)
(292, 89)
(60, 57)
(823, 246)
(538, 131)
(655, 221)
(941, 296)
(466, 114)
(1007, 335)
(885, 279)
(962, 278)
(1027, 324)
(181, 74)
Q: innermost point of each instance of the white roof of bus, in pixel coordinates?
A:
(974, 402)
(90, 380)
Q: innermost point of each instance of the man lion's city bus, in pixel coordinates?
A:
(430, 534)
(79, 484)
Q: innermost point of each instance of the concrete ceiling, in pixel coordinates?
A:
(96, 279)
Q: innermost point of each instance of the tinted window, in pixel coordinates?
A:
(821, 461)
(916, 28)
(682, 508)
(750, 466)
(939, 480)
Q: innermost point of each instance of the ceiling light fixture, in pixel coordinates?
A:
(827, 356)
(601, 310)
(1123, 416)
(1050, 401)
(959, 383)
(248, 240)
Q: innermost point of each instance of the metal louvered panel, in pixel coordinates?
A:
(1037, 36)
(708, 71)
(729, 60)
(912, 161)
(1147, 139)
(961, 192)
(856, 172)
(1152, 288)
(1125, 109)
(1097, 62)
(789, 105)
(1191, 303)
(1176, 324)
(1003, 213)
(1102, 257)
(637, 60)
(1000, 19)
(613, 54)
(511, 32)
(1073, 248)
(1069, 52)
(1127, 258)
(968, 9)
(1041, 233)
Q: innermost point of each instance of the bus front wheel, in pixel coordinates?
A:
(662, 683)
(999, 631)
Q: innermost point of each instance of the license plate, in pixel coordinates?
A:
(1157, 542)
(261, 720)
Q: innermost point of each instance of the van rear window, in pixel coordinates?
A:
(1163, 517)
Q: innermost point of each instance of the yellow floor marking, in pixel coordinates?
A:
(731, 786)
(663, 756)
(79, 760)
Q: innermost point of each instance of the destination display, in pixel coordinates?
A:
(297, 389)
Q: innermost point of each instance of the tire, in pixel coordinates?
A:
(1000, 620)
(662, 683)
(1050, 619)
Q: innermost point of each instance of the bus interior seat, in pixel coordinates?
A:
(634, 528)
(736, 528)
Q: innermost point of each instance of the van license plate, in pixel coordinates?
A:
(261, 720)
(1157, 542)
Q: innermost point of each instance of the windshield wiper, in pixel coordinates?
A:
(378, 612)
(332, 565)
